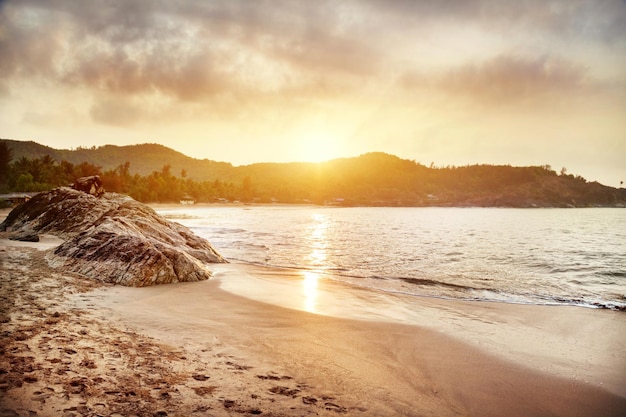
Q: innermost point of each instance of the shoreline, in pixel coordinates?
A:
(201, 349)
(541, 338)
(527, 268)
(543, 335)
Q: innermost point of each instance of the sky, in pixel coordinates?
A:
(449, 82)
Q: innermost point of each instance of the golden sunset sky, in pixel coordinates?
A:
(453, 82)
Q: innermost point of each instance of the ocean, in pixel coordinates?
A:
(527, 256)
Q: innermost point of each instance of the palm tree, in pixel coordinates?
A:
(6, 155)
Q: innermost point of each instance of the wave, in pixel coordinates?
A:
(226, 230)
(432, 282)
(615, 274)
(581, 302)
(459, 292)
(573, 269)
(510, 298)
(180, 216)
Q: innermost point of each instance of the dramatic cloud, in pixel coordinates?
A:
(360, 74)
(196, 49)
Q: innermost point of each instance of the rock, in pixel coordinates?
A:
(114, 238)
(25, 236)
(90, 185)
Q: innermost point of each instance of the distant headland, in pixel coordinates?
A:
(153, 173)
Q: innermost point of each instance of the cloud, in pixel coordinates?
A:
(100, 49)
(591, 19)
(286, 53)
(512, 79)
(504, 80)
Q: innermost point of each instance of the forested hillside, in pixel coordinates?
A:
(143, 159)
(154, 173)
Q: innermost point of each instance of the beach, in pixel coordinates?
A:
(74, 347)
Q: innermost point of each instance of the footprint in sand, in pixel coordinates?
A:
(274, 377)
(309, 400)
(202, 391)
(285, 391)
(334, 407)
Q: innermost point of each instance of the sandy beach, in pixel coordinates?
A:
(250, 342)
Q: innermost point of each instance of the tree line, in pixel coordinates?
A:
(374, 179)
(44, 173)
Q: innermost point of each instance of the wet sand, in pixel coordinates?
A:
(567, 341)
(74, 347)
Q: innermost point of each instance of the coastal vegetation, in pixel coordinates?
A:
(154, 173)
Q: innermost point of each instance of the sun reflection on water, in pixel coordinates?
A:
(317, 240)
(316, 258)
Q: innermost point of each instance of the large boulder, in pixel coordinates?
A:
(114, 238)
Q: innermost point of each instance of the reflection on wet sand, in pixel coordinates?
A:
(309, 288)
(317, 257)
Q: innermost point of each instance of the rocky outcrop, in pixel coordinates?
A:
(114, 238)
(90, 185)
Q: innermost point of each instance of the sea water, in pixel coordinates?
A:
(533, 256)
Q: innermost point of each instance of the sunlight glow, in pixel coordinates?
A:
(309, 288)
(317, 258)
(304, 84)
(318, 240)
(317, 147)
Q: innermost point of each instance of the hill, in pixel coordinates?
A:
(155, 173)
(143, 159)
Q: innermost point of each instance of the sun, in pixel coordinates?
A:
(317, 147)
